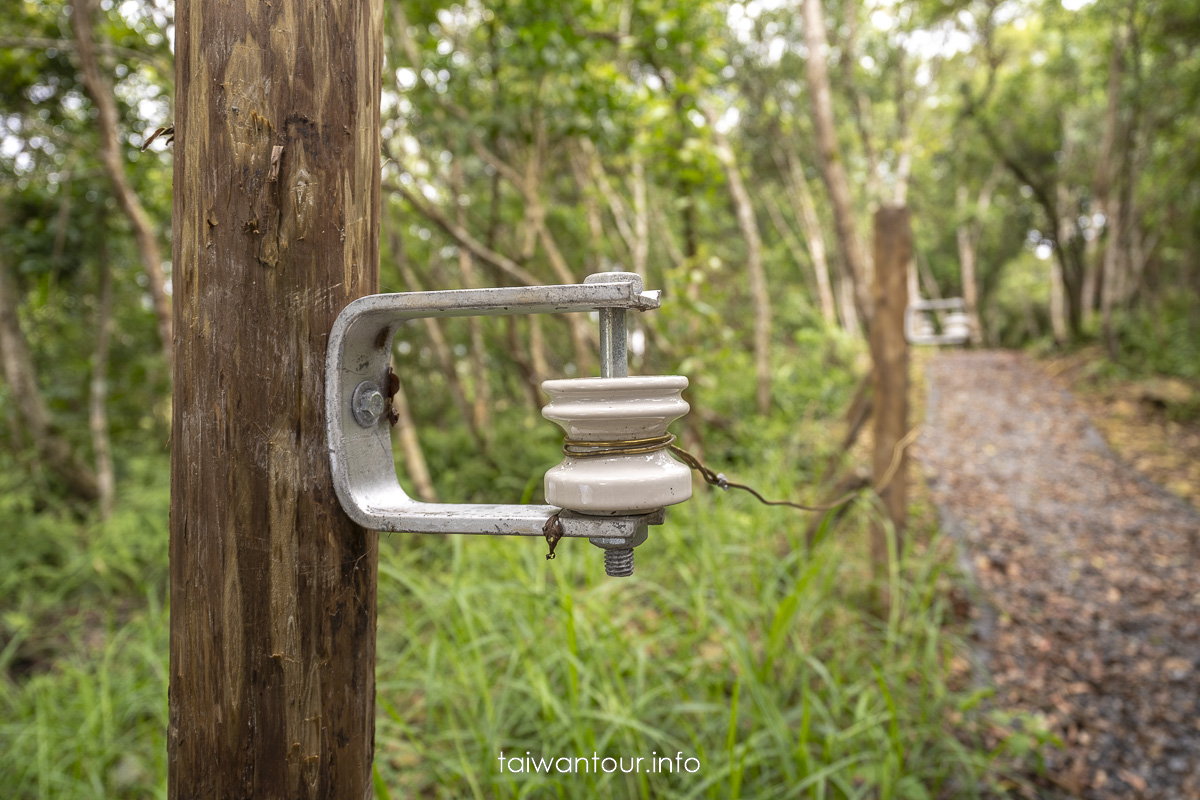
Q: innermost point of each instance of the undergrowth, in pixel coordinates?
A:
(83, 644)
(1159, 339)
(733, 645)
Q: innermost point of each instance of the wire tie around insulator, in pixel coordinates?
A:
(622, 447)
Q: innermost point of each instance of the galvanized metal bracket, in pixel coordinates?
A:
(360, 444)
(915, 307)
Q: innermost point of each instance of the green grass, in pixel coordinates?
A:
(93, 724)
(83, 646)
(732, 645)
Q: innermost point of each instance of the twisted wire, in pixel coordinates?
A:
(629, 447)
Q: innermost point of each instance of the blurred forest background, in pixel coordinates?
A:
(731, 153)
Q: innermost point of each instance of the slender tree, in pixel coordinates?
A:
(743, 208)
(111, 155)
(98, 390)
(21, 376)
(889, 354)
(832, 167)
(967, 235)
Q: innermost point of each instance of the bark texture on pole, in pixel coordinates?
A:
(276, 210)
(889, 353)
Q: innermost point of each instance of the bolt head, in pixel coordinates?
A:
(375, 403)
(368, 404)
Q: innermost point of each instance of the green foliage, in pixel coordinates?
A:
(1161, 340)
(1020, 312)
(732, 644)
(92, 723)
(529, 446)
(83, 668)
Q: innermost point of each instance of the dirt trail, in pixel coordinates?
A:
(1089, 576)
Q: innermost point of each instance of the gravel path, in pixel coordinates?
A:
(1089, 576)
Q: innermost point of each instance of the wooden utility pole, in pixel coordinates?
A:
(276, 229)
(889, 353)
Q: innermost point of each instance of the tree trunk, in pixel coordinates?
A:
(925, 274)
(113, 159)
(860, 106)
(805, 211)
(889, 353)
(1112, 271)
(1069, 255)
(593, 166)
(1061, 228)
(410, 446)
(1058, 318)
(594, 258)
(1097, 266)
(832, 168)
(537, 352)
(792, 243)
(967, 237)
(641, 217)
(912, 279)
(531, 382)
(576, 324)
(98, 391)
(537, 230)
(441, 347)
(21, 376)
(744, 209)
(276, 214)
(1098, 274)
(970, 286)
(482, 397)
(904, 157)
(847, 305)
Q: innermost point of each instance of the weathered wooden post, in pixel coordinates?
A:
(276, 229)
(889, 354)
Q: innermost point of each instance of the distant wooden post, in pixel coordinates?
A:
(889, 353)
(276, 229)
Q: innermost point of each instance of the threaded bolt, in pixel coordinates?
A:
(618, 562)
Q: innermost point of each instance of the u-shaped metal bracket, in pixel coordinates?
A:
(360, 444)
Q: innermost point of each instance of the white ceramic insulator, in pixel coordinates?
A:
(617, 409)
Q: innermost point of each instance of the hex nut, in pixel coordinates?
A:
(367, 403)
